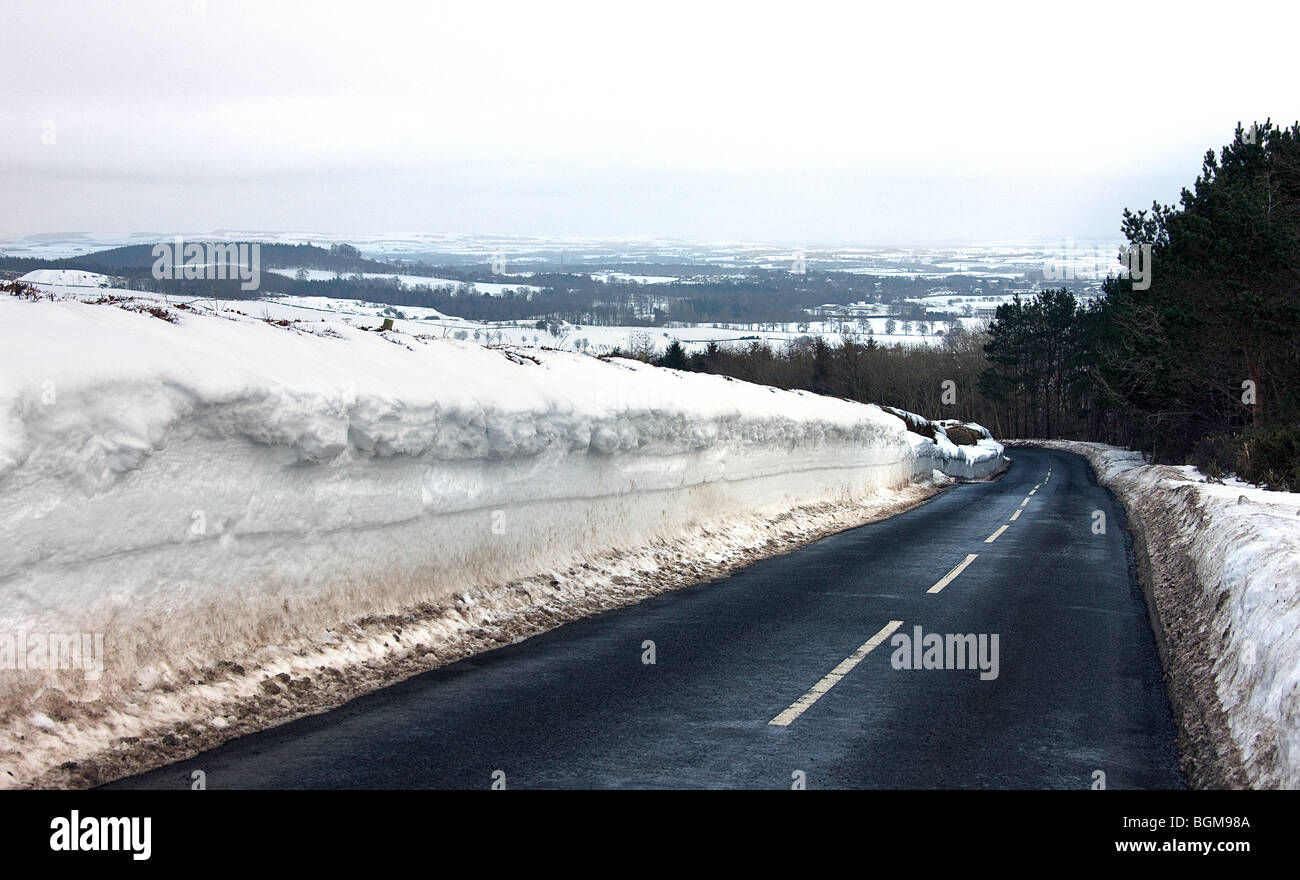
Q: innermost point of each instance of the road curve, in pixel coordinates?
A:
(785, 672)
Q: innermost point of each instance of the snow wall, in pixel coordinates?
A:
(195, 487)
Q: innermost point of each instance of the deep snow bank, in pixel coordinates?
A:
(201, 489)
(1225, 573)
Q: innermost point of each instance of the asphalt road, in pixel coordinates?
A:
(803, 640)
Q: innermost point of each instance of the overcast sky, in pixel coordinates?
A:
(788, 122)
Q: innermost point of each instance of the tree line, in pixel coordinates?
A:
(1192, 356)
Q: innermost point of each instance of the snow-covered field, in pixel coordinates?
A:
(222, 497)
(415, 282)
(624, 278)
(67, 278)
(593, 339)
(1226, 570)
(586, 338)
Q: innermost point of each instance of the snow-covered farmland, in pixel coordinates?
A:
(67, 278)
(413, 282)
(596, 339)
(591, 339)
(624, 278)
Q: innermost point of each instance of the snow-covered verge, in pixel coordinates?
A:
(223, 521)
(1221, 563)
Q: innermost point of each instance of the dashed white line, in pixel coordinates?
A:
(993, 537)
(832, 678)
(952, 575)
(1023, 503)
(1031, 492)
(1015, 516)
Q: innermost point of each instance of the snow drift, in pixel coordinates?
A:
(195, 487)
(1225, 578)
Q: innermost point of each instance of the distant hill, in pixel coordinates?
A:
(136, 259)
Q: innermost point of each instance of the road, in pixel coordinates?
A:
(784, 673)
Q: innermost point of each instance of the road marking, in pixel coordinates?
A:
(1023, 503)
(993, 537)
(952, 575)
(1015, 516)
(1037, 487)
(1031, 492)
(832, 678)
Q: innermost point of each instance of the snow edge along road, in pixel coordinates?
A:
(378, 652)
(1219, 564)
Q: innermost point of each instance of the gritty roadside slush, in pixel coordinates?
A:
(1220, 566)
(372, 653)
